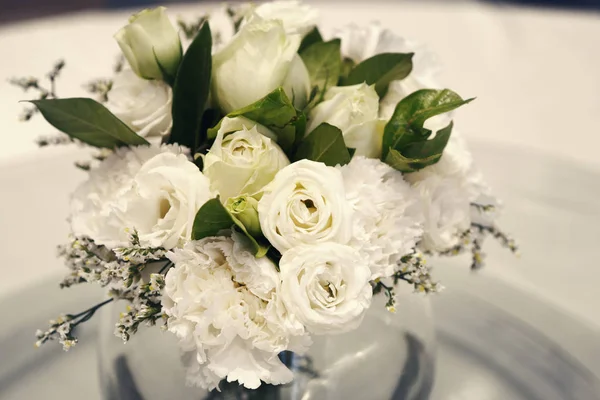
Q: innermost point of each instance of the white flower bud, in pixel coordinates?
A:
(151, 44)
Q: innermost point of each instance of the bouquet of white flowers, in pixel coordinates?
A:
(254, 190)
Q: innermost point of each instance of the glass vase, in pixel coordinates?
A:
(390, 356)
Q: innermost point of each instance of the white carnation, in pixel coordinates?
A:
(144, 105)
(305, 204)
(222, 304)
(387, 217)
(154, 190)
(360, 43)
(446, 190)
(106, 184)
(326, 286)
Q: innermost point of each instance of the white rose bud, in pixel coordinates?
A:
(243, 158)
(151, 44)
(260, 58)
(145, 106)
(295, 16)
(355, 111)
(245, 209)
(326, 287)
(305, 204)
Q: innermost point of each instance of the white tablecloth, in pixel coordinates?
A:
(535, 74)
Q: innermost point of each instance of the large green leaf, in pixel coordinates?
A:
(88, 121)
(404, 164)
(380, 70)
(275, 111)
(323, 61)
(418, 155)
(213, 217)
(210, 219)
(406, 124)
(324, 144)
(312, 37)
(191, 90)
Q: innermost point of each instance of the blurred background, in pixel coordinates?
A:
(15, 9)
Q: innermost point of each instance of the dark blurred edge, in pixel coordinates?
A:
(16, 10)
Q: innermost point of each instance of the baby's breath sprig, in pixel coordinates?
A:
(62, 327)
(121, 271)
(472, 241)
(191, 29)
(100, 87)
(413, 270)
(145, 307)
(378, 287)
(53, 140)
(43, 92)
(96, 264)
(237, 14)
(485, 208)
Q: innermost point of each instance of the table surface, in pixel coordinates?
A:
(534, 129)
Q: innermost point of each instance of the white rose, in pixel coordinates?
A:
(145, 106)
(243, 159)
(225, 331)
(354, 110)
(305, 204)
(360, 43)
(151, 44)
(93, 201)
(326, 287)
(260, 58)
(295, 16)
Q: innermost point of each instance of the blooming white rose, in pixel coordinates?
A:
(260, 58)
(145, 106)
(354, 110)
(243, 158)
(295, 16)
(151, 44)
(326, 286)
(360, 43)
(387, 214)
(160, 199)
(305, 204)
(446, 190)
(225, 329)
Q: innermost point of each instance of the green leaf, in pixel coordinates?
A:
(406, 124)
(430, 147)
(275, 111)
(380, 70)
(88, 121)
(312, 37)
(210, 219)
(324, 144)
(323, 61)
(348, 65)
(213, 217)
(404, 164)
(191, 90)
(418, 155)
